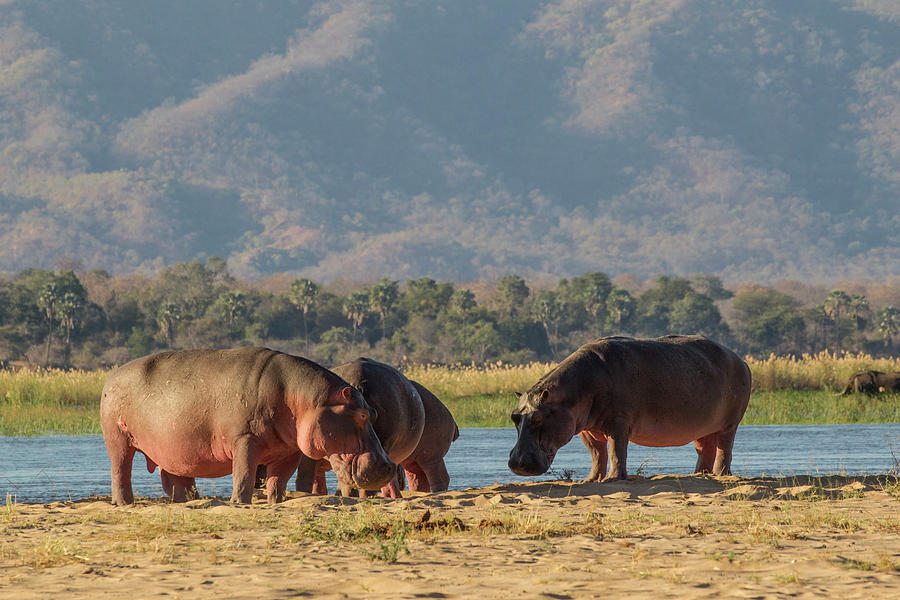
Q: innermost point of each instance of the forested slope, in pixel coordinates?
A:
(753, 139)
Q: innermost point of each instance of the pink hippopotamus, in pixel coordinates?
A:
(658, 392)
(208, 413)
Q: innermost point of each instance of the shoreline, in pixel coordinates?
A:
(665, 536)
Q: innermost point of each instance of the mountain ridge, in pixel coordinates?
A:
(357, 139)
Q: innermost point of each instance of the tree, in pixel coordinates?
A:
(859, 312)
(550, 309)
(382, 298)
(696, 313)
(356, 307)
(590, 291)
(711, 286)
(620, 309)
(303, 295)
(62, 301)
(512, 292)
(887, 322)
(655, 304)
(479, 340)
(167, 317)
(233, 307)
(47, 301)
(426, 298)
(836, 305)
(767, 320)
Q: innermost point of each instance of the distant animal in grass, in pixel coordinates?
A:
(872, 382)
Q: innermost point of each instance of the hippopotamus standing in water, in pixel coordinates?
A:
(399, 428)
(658, 392)
(207, 413)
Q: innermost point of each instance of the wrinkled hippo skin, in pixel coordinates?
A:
(872, 382)
(399, 423)
(425, 469)
(208, 413)
(658, 392)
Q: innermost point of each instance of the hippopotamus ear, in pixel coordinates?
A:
(345, 396)
(518, 395)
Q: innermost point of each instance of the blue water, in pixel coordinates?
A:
(45, 469)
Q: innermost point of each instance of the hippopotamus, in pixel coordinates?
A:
(872, 382)
(424, 468)
(399, 426)
(207, 413)
(658, 392)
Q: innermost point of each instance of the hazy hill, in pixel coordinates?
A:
(752, 139)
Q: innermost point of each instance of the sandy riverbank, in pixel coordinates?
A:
(665, 537)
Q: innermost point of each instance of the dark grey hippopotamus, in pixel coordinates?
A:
(399, 426)
(654, 392)
(872, 382)
(207, 413)
(425, 469)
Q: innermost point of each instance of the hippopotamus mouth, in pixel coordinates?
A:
(362, 470)
(533, 459)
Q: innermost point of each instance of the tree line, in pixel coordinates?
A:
(87, 319)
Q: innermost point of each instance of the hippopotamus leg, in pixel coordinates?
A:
(277, 476)
(179, 489)
(416, 478)
(706, 452)
(427, 475)
(724, 446)
(714, 452)
(121, 455)
(311, 476)
(245, 458)
(618, 450)
(596, 445)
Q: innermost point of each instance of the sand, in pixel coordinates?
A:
(663, 537)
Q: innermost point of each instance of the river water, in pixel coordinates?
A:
(44, 469)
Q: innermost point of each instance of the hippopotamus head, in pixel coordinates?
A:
(341, 431)
(544, 424)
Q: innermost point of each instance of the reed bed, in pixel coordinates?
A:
(822, 371)
(459, 381)
(786, 390)
(50, 401)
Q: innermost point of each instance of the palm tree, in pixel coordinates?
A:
(356, 307)
(382, 297)
(167, 316)
(837, 302)
(859, 309)
(888, 324)
(47, 301)
(303, 295)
